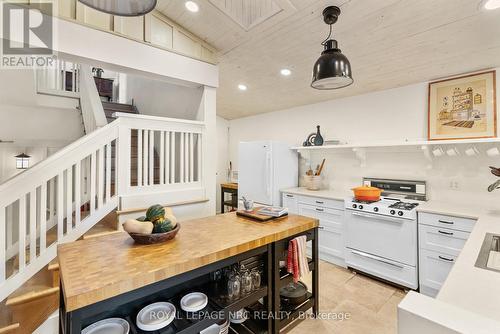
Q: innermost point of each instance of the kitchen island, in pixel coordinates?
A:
(111, 276)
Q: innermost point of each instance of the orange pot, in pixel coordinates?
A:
(365, 193)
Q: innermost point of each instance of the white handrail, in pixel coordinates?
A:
(90, 102)
(63, 196)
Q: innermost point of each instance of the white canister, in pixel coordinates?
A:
(313, 182)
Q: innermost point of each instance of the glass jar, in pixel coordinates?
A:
(256, 279)
(246, 282)
(233, 287)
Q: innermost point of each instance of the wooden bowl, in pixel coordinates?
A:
(155, 238)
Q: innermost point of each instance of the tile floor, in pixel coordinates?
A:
(371, 305)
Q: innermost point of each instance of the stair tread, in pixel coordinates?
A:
(9, 328)
(31, 315)
(35, 292)
(53, 265)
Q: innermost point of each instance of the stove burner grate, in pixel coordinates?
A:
(403, 206)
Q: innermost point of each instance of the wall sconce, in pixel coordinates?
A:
(22, 161)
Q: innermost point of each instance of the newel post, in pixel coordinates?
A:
(123, 158)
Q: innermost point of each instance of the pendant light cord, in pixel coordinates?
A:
(329, 35)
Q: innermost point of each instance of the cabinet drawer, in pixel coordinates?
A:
(323, 202)
(389, 270)
(442, 240)
(454, 223)
(331, 218)
(290, 201)
(434, 268)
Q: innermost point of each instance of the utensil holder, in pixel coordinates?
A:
(313, 182)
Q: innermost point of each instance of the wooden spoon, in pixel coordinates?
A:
(495, 171)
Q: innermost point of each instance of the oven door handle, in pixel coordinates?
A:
(372, 257)
(379, 217)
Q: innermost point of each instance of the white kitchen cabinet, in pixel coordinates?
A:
(330, 213)
(290, 202)
(441, 238)
(434, 268)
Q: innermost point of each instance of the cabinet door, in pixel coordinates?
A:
(290, 202)
(331, 242)
(434, 268)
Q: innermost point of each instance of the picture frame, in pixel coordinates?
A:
(463, 107)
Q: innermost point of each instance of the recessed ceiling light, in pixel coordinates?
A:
(492, 4)
(285, 72)
(192, 6)
(242, 87)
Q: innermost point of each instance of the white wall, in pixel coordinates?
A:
(396, 114)
(222, 130)
(35, 125)
(159, 98)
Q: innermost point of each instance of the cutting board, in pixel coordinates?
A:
(255, 215)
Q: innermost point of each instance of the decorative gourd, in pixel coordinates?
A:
(172, 218)
(135, 226)
(162, 225)
(142, 219)
(155, 212)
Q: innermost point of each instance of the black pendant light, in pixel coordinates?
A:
(332, 70)
(122, 7)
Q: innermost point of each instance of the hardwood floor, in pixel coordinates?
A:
(367, 305)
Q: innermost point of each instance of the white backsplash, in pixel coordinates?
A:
(459, 179)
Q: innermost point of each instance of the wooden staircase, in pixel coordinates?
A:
(27, 308)
(109, 109)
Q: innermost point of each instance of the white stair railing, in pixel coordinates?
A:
(90, 102)
(59, 199)
(61, 79)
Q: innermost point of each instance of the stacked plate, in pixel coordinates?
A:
(194, 302)
(155, 316)
(108, 326)
(238, 317)
(224, 328)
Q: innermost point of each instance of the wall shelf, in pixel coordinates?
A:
(400, 144)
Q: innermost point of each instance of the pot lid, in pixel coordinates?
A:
(293, 290)
(365, 188)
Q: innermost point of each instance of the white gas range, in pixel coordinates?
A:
(381, 237)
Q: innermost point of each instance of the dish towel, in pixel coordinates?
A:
(297, 263)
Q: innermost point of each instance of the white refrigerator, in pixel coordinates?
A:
(264, 168)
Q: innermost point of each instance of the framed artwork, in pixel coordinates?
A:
(463, 107)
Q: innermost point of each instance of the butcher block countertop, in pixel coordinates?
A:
(96, 269)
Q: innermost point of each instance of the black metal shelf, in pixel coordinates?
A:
(250, 326)
(195, 322)
(216, 295)
(295, 311)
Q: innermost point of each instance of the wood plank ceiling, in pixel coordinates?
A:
(390, 43)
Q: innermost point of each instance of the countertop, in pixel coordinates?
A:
(96, 269)
(473, 289)
(338, 195)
